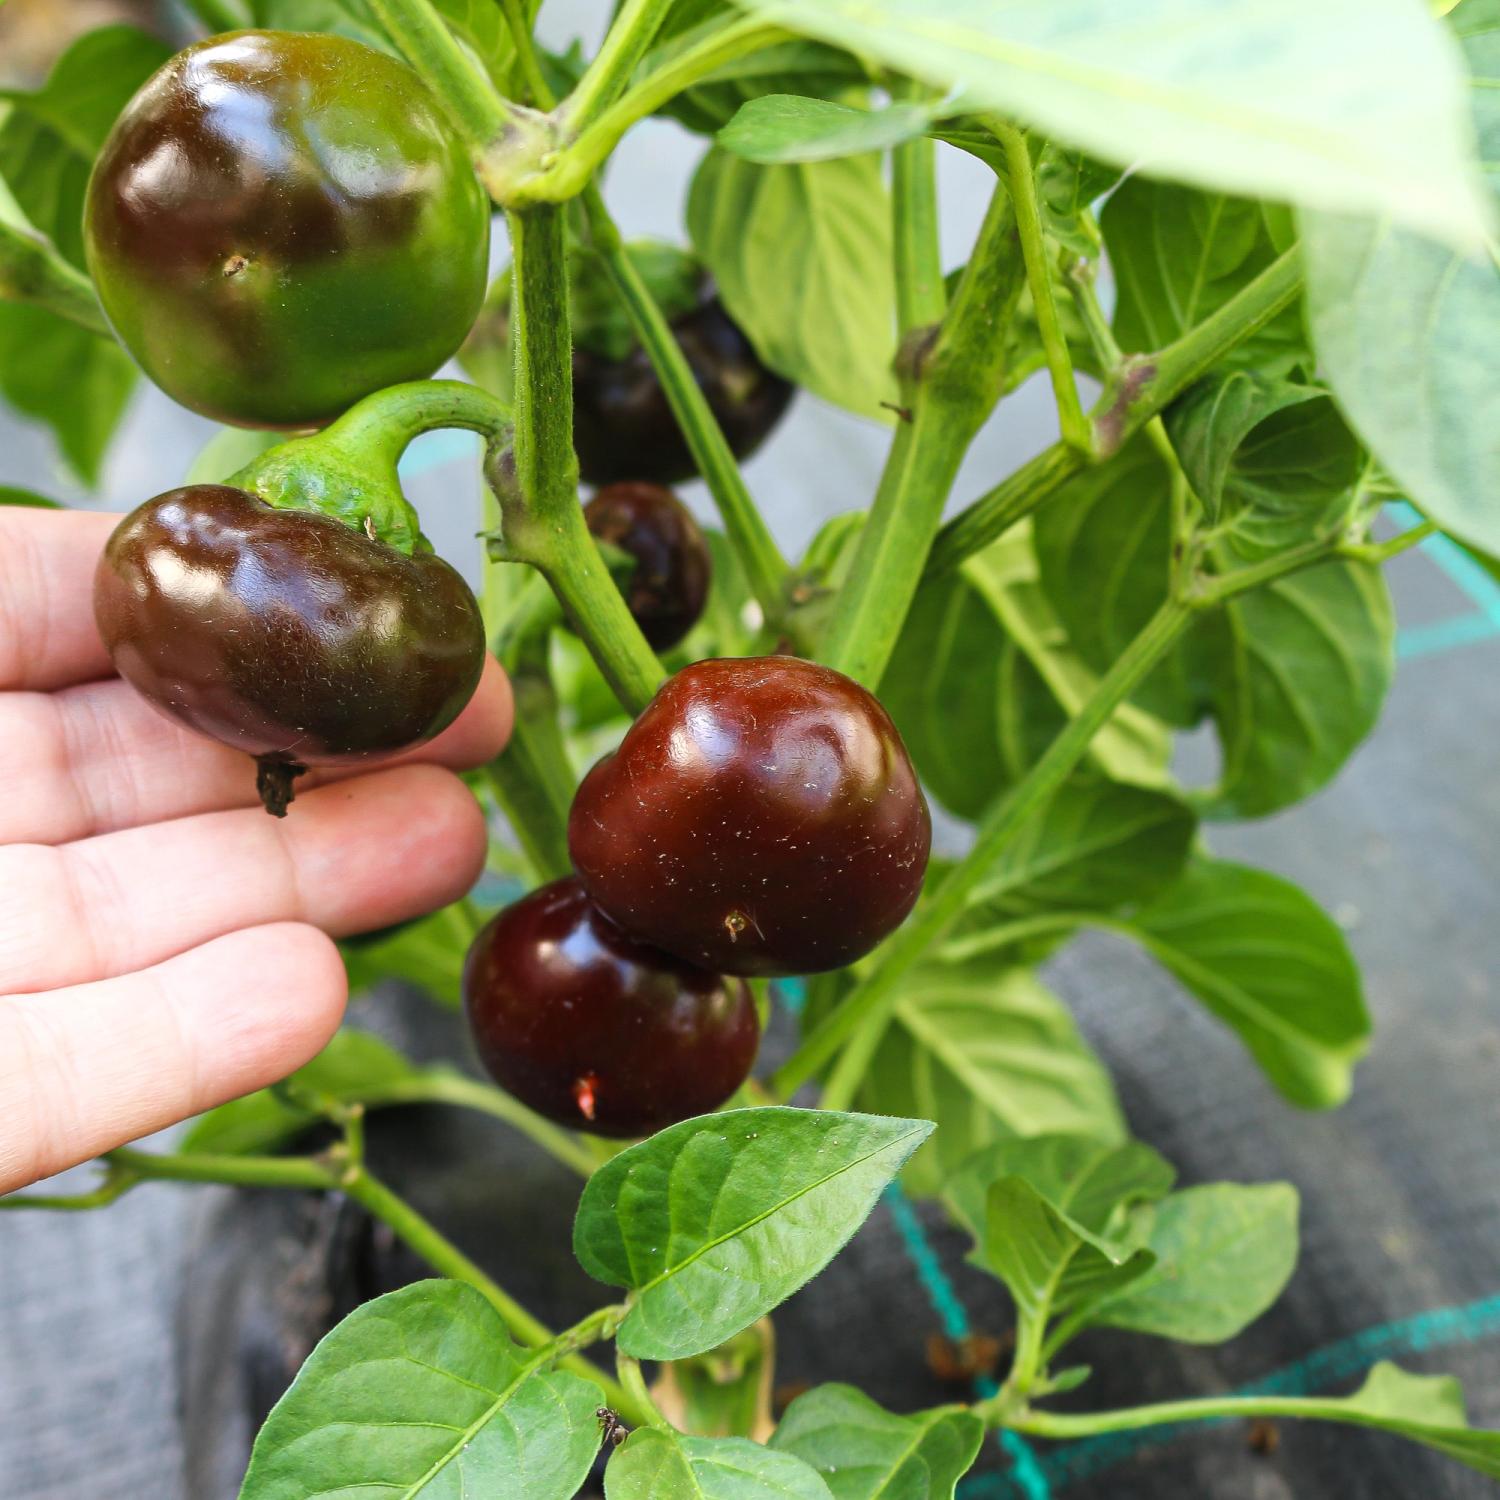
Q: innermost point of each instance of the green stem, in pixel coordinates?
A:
(575, 164)
(1137, 391)
(1380, 552)
(532, 780)
(389, 421)
(519, 22)
(424, 40)
(31, 270)
(1021, 179)
(1061, 1425)
(997, 510)
(869, 1003)
(956, 379)
(631, 1378)
(764, 567)
(446, 1258)
(236, 1171)
(469, 1093)
(920, 296)
(630, 33)
(543, 523)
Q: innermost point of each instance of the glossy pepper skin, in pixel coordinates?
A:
(281, 223)
(669, 587)
(760, 817)
(597, 1030)
(285, 634)
(623, 427)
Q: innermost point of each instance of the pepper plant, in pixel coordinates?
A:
(1291, 205)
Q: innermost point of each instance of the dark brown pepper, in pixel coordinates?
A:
(760, 817)
(597, 1030)
(285, 634)
(669, 587)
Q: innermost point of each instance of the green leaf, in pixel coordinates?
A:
(1067, 184)
(790, 128)
(1097, 845)
(63, 375)
(1293, 673)
(983, 678)
(353, 1067)
(423, 1393)
(1264, 958)
(801, 254)
(10, 495)
(600, 321)
(428, 953)
(864, 1452)
(1092, 1182)
(713, 1222)
(1179, 255)
(1405, 329)
(1231, 94)
(1223, 1254)
(987, 1051)
(1274, 458)
(655, 1464)
(1428, 1409)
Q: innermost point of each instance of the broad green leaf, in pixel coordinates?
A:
(1293, 674)
(1179, 254)
(1223, 1254)
(864, 1452)
(1428, 1409)
(353, 1067)
(987, 1051)
(1231, 94)
(1096, 845)
(1271, 457)
(1405, 330)
(1029, 1244)
(801, 255)
(63, 375)
(790, 128)
(982, 679)
(422, 1393)
(1068, 183)
(428, 953)
(713, 1222)
(1093, 1182)
(1264, 958)
(10, 495)
(351, 18)
(655, 1464)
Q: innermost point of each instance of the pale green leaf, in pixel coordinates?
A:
(655, 1464)
(1264, 958)
(1350, 104)
(421, 1393)
(791, 128)
(1223, 1254)
(801, 254)
(864, 1452)
(713, 1222)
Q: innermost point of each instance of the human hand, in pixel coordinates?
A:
(164, 945)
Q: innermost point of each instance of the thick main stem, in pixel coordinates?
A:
(956, 381)
(869, 1003)
(543, 522)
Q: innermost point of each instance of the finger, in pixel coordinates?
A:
(98, 758)
(360, 855)
(47, 560)
(84, 1070)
